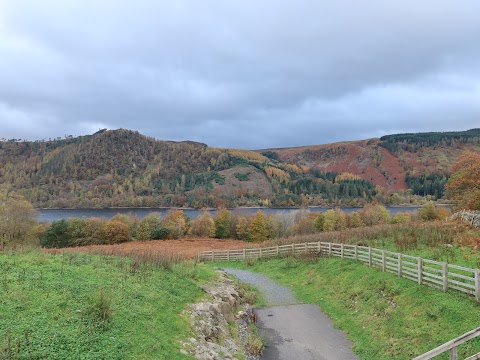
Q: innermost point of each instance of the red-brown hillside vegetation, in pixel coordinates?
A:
(370, 161)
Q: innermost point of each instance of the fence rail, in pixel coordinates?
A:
(439, 275)
(452, 347)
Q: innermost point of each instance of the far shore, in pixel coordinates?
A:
(239, 207)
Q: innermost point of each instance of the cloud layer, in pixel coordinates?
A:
(239, 74)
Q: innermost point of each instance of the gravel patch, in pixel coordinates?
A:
(273, 293)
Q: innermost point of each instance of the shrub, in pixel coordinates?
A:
(203, 226)
(146, 225)
(319, 222)
(159, 233)
(334, 220)
(241, 229)
(116, 232)
(355, 220)
(304, 225)
(223, 224)
(428, 212)
(401, 218)
(17, 219)
(260, 228)
(375, 214)
(78, 232)
(176, 222)
(57, 235)
(95, 229)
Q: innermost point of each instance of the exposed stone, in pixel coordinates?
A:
(210, 321)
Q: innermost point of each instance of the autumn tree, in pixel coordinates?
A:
(464, 184)
(319, 222)
(17, 219)
(203, 226)
(116, 232)
(375, 214)
(223, 224)
(241, 228)
(260, 228)
(176, 222)
(147, 225)
(334, 220)
(355, 220)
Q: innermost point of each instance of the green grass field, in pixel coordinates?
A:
(386, 317)
(76, 306)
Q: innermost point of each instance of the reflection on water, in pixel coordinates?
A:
(52, 215)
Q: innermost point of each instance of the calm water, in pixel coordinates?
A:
(52, 215)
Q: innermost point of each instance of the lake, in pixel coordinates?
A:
(58, 214)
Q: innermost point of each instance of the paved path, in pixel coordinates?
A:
(294, 332)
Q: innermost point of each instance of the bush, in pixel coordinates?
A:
(375, 215)
(401, 218)
(146, 225)
(428, 212)
(319, 222)
(260, 228)
(334, 220)
(355, 220)
(223, 224)
(57, 236)
(203, 226)
(17, 219)
(159, 233)
(116, 232)
(176, 222)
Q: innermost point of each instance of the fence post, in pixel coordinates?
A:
(319, 248)
(244, 254)
(228, 255)
(356, 252)
(293, 248)
(420, 270)
(400, 264)
(341, 251)
(260, 253)
(444, 276)
(477, 285)
(329, 249)
(454, 353)
(306, 247)
(369, 256)
(384, 262)
(278, 250)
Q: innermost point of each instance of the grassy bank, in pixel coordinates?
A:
(451, 242)
(72, 306)
(386, 317)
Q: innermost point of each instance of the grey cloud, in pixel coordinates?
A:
(239, 74)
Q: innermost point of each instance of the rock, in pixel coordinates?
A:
(210, 322)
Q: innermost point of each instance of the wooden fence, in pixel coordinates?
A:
(452, 347)
(436, 274)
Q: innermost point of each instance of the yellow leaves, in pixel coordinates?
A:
(277, 174)
(346, 176)
(249, 155)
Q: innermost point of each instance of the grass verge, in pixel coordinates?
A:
(72, 306)
(386, 317)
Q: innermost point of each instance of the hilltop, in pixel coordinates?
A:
(114, 168)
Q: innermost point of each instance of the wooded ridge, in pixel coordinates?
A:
(114, 168)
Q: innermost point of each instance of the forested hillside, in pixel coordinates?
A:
(124, 168)
(420, 162)
(117, 168)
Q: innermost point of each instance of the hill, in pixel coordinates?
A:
(118, 168)
(394, 162)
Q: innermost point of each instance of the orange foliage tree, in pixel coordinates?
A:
(464, 185)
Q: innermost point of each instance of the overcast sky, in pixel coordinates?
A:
(250, 74)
